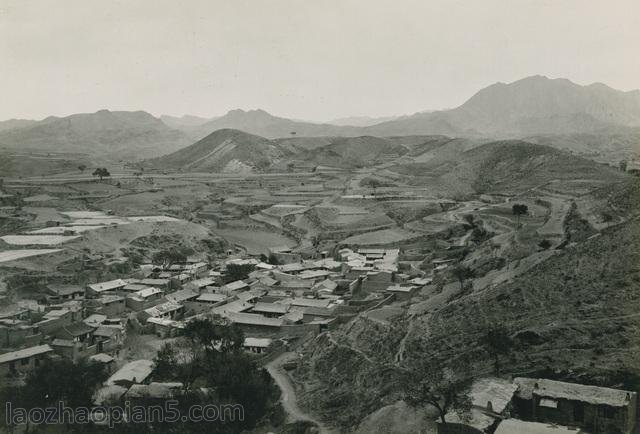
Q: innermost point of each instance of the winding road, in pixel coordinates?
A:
(288, 397)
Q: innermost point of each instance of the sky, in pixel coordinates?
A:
(304, 59)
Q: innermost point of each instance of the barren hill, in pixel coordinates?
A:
(116, 135)
(505, 165)
(355, 151)
(224, 150)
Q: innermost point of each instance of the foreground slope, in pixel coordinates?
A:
(574, 316)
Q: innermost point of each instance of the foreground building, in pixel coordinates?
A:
(24, 360)
(599, 410)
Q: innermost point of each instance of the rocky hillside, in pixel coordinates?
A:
(574, 315)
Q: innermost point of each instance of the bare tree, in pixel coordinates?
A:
(462, 273)
(444, 388)
(497, 343)
(518, 210)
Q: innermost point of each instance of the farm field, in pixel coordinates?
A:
(46, 240)
(12, 255)
(382, 237)
(255, 242)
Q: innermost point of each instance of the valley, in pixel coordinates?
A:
(346, 255)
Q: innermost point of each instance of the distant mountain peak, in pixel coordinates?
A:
(251, 113)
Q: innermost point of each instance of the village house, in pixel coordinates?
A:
(163, 327)
(109, 338)
(270, 310)
(266, 282)
(134, 287)
(231, 307)
(211, 298)
(197, 269)
(144, 299)
(14, 312)
(135, 372)
(23, 360)
(97, 289)
(292, 268)
(599, 410)
(182, 296)
(324, 287)
(314, 313)
(74, 341)
(306, 302)
(233, 287)
(198, 284)
(104, 359)
(73, 350)
(164, 284)
(513, 426)
(15, 332)
(402, 292)
(168, 310)
(178, 280)
(95, 320)
(56, 319)
(111, 305)
(257, 345)
(64, 292)
(254, 323)
(298, 286)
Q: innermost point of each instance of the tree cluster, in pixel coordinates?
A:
(209, 355)
(101, 172)
(238, 272)
(55, 381)
(170, 256)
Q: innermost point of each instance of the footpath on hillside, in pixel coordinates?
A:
(288, 393)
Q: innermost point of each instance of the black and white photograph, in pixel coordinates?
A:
(320, 216)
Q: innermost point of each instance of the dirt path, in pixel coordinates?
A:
(399, 357)
(288, 397)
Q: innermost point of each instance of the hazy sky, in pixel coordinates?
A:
(308, 59)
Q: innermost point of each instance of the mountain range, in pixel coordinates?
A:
(534, 105)
(548, 110)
